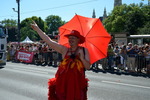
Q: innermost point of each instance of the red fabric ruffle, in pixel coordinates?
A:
(52, 89)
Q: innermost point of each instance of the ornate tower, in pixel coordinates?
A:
(105, 14)
(93, 16)
(117, 3)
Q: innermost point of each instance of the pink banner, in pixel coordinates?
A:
(24, 56)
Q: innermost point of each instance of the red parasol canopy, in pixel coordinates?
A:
(96, 36)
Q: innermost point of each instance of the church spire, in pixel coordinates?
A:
(105, 14)
(93, 16)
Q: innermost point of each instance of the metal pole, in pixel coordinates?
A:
(18, 1)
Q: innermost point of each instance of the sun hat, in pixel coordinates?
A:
(76, 34)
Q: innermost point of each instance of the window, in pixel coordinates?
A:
(2, 46)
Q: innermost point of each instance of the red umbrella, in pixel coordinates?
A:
(96, 36)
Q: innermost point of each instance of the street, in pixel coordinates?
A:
(20, 81)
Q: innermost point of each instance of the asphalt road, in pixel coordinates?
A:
(29, 82)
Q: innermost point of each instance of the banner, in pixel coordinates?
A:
(24, 56)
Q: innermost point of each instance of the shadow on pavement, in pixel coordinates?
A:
(1, 67)
(117, 72)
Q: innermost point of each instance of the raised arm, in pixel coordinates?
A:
(59, 48)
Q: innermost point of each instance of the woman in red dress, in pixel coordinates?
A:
(69, 82)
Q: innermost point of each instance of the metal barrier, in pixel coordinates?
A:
(143, 62)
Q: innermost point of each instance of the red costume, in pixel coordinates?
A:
(69, 82)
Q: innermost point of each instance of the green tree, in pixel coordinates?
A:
(146, 12)
(135, 19)
(26, 29)
(145, 29)
(53, 22)
(127, 18)
(11, 25)
(116, 19)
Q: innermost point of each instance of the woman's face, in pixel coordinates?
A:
(73, 40)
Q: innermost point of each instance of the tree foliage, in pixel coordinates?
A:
(145, 29)
(128, 18)
(11, 25)
(116, 19)
(26, 29)
(53, 22)
(135, 20)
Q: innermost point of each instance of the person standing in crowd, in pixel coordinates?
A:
(147, 58)
(35, 50)
(21, 48)
(12, 53)
(110, 56)
(117, 57)
(131, 57)
(69, 82)
(140, 60)
(30, 47)
(27, 48)
(39, 60)
(45, 54)
(55, 58)
(123, 54)
(8, 53)
(50, 56)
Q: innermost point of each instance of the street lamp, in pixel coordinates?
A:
(18, 2)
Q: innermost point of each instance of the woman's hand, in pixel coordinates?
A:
(54, 45)
(34, 26)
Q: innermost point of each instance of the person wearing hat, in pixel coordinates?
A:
(70, 82)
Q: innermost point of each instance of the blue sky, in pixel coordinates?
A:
(66, 9)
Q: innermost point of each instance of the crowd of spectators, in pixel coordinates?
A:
(131, 58)
(43, 54)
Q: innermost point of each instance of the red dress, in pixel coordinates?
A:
(69, 82)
